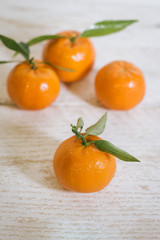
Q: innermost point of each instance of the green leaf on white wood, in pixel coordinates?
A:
(43, 38)
(98, 127)
(106, 27)
(3, 62)
(13, 45)
(108, 147)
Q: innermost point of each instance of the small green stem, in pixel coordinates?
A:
(91, 142)
(86, 135)
(80, 136)
(72, 39)
(31, 61)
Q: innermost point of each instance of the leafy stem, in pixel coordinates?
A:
(95, 30)
(58, 67)
(43, 38)
(79, 135)
(23, 49)
(101, 145)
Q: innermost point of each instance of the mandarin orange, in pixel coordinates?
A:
(78, 55)
(120, 85)
(33, 89)
(83, 168)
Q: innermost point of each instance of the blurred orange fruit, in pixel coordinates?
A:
(120, 85)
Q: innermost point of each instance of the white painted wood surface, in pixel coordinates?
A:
(32, 203)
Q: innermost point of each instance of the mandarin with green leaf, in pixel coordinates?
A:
(78, 55)
(32, 84)
(86, 163)
(74, 50)
(33, 88)
(83, 169)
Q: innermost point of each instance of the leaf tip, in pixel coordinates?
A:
(138, 160)
(133, 21)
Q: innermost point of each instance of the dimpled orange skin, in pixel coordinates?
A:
(33, 89)
(78, 56)
(83, 169)
(120, 85)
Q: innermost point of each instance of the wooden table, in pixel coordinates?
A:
(32, 203)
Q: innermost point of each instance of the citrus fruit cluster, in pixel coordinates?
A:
(84, 162)
(68, 56)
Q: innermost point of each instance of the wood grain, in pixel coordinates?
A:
(32, 203)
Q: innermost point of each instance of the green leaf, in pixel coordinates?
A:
(43, 38)
(3, 62)
(106, 27)
(108, 147)
(98, 127)
(25, 48)
(61, 68)
(13, 45)
(15, 54)
(80, 124)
